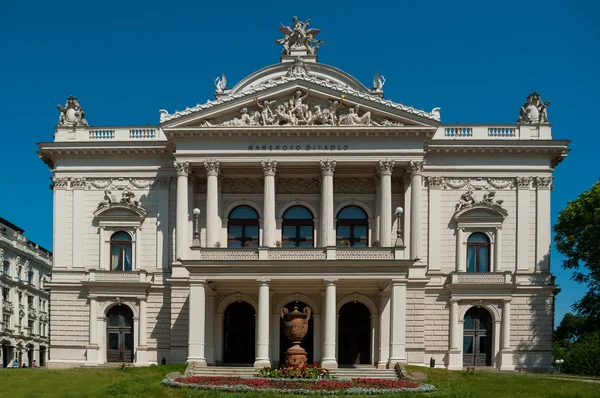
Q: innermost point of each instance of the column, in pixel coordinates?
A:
(416, 182)
(92, 348)
(197, 322)
(496, 266)
(78, 185)
(377, 231)
(60, 223)
(162, 224)
(327, 224)
(181, 224)
(213, 225)
(455, 352)
(398, 323)
(269, 223)
(142, 349)
(506, 361)
(329, 358)
(385, 174)
(262, 352)
(461, 265)
(384, 330)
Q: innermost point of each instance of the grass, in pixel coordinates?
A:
(145, 382)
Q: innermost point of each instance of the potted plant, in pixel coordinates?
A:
(345, 243)
(217, 244)
(376, 243)
(277, 243)
(248, 244)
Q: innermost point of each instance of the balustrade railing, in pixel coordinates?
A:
(298, 253)
(479, 132)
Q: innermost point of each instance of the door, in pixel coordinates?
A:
(30, 356)
(119, 337)
(42, 361)
(477, 338)
(354, 334)
(6, 355)
(238, 333)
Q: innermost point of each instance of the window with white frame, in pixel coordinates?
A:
(478, 253)
(121, 252)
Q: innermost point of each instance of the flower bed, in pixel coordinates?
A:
(299, 386)
(295, 372)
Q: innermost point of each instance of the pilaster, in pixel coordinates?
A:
(398, 323)
(181, 225)
(542, 222)
(213, 224)
(269, 223)
(523, 223)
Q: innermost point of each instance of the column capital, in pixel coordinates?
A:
(524, 182)
(330, 281)
(386, 167)
(454, 300)
(197, 281)
(212, 167)
(269, 167)
(264, 281)
(416, 167)
(183, 168)
(507, 300)
(543, 182)
(78, 183)
(327, 167)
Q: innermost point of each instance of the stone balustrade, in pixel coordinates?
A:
(299, 254)
(119, 277)
(134, 133)
(482, 278)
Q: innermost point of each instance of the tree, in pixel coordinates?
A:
(577, 237)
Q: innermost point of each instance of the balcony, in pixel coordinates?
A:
(119, 276)
(300, 254)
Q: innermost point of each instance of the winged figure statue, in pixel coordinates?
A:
(378, 82)
(299, 35)
(220, 83)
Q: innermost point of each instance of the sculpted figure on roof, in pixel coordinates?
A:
(534, 110)
(297, 36)
(72, 114)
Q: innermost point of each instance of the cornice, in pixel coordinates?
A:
(325, 133)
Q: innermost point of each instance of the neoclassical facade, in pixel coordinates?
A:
(23, 299)
(301, 187)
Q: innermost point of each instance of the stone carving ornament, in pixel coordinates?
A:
(524, 182)
(467, 200)
(416, 167)
(298, 36)
(354, 185)
(243, 185)
(543, 182)
(72, 114)
(220, 83)
(386, 166)
(327, 166)
(269, 167)
(471, 183)
(533, 110)
(298, 185)
(107, 200)
(212, 167)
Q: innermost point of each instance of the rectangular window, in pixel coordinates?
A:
(471, 257)
(30, 277)
(31, 325)
(6, 267)
(115, 256)
(30, 301)
(5, 294)
(468, 344)
(127, 258)
(6, 320)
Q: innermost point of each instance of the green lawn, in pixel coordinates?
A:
(145, 382)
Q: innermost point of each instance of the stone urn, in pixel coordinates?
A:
(295, 326)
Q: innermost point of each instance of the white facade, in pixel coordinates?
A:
(23, 300)
(378, 296)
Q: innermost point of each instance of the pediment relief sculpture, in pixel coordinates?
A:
(467, 201)
(299, 110)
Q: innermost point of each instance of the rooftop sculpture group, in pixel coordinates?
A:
(72, 114)
(298, 111)
(298, 36)
(534, 110)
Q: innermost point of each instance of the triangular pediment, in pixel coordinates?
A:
(299, 101)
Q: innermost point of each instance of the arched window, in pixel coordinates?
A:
(120, 251)
(352, 228)
(297, 227)
(478, 253)
(242, 228)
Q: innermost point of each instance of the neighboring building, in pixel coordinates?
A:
(23, 299)
(294, 176)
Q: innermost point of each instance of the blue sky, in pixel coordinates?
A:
(126, 60)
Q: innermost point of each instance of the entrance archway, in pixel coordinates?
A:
(42, 361)
(354, 334)
(307, 342)
(7, 354)
(119, 334)
(30, 352)
(477, 338)
(239, 333)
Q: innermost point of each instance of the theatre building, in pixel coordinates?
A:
(299, 186)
